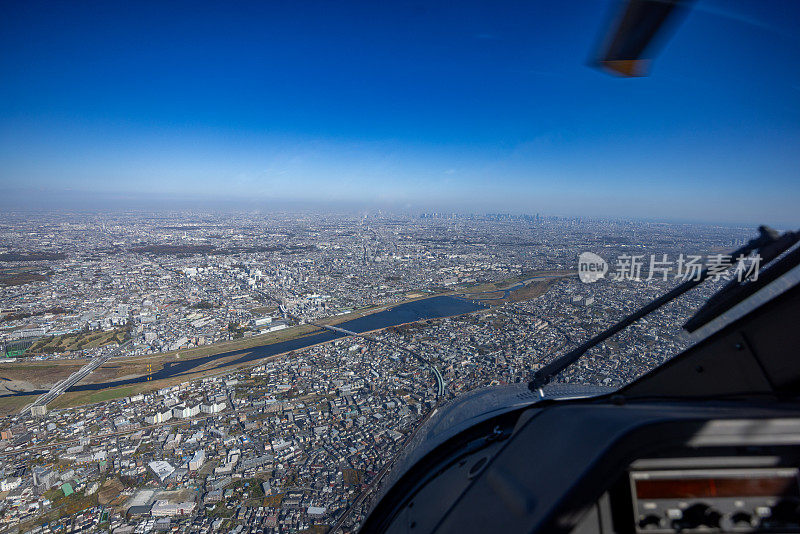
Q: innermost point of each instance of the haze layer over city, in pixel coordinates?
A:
(218, 394)
(247, 251)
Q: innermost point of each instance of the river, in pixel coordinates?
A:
(418, 310)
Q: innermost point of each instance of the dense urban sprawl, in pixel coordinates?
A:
(297, 441)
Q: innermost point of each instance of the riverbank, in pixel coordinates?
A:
(137, 374)
(129, 375)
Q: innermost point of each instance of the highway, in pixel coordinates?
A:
(60, 387)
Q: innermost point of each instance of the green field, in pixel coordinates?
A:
(79, 340)
(52, 371)
(91, 397)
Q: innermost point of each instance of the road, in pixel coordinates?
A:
(437, 375)
(62, 386)
(440, 386)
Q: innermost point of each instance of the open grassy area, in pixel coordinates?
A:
(130, 367)
(225, 346)
(530, 291)
(62, 506)
(354, 477)
(220, 511)
(40, 372)
(338, 319)
(76, 398)
(109, 491)
(361, 312)
(486, 295)
(44, 373)
(49, 372)
(533, 274)
(71, 504)
(273, 500)
(38, 375)
(18, 276)
(493, 294)
(71, 399)
(10, 405)
(499, 285)
(78, 341)
(316, 529)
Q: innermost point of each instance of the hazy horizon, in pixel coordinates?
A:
(488, 108)
(265, 207)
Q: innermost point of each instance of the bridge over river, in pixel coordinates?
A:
(409, 312)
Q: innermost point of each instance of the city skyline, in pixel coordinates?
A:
(399, 267)
(189, 371)
(399, 106)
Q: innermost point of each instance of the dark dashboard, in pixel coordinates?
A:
(708, 442)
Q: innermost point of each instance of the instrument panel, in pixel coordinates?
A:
(716, 500)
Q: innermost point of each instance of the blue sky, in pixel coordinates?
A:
(466, 106)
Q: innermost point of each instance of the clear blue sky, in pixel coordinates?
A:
(470, 106)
